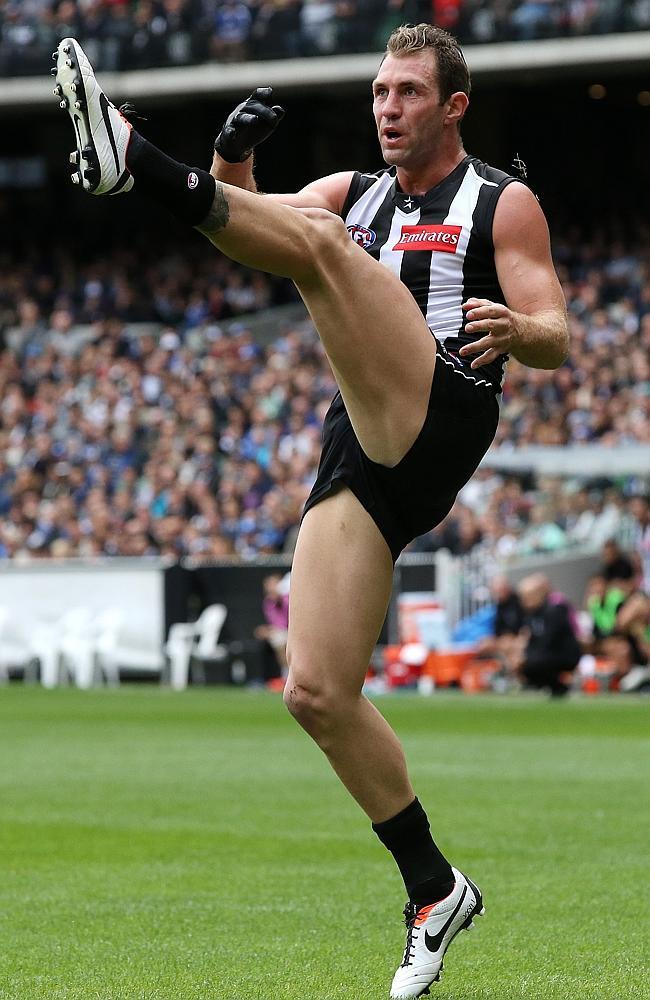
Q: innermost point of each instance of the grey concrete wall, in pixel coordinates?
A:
(567, 573)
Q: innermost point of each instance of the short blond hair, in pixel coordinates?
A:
(453, 74)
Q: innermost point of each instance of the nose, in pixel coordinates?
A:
(392, 107)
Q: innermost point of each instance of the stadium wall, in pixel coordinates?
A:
(153, 594)
(45, 591)
(505, 61)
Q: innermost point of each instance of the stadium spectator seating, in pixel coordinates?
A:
(119, 34)
(120, 437)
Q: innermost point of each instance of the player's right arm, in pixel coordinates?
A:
(253, 121)
(327, 192)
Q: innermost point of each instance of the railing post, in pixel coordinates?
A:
(447, 584)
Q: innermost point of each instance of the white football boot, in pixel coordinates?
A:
(102, 133)
(430, 931)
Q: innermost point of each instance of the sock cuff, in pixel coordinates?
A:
(188, 192)
(390, 831)
(134, 147)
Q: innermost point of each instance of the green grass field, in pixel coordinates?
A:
(161, 846)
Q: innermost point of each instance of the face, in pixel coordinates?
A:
(271, 585)
(533, 591)
(610, 552)
(501, 588)
(408, 114)
(530, 598)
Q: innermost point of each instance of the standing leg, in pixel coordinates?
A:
(340, 587)
(341, 583)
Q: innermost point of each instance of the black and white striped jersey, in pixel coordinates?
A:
(439, 244)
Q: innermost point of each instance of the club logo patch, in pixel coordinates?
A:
(192, 181)
(364, 237)
(441, 238)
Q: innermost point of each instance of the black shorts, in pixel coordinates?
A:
(415, 495)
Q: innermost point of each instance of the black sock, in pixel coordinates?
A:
(188, 192)
(426, 872)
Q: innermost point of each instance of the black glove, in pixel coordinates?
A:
(251, 122)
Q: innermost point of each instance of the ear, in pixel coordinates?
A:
(457, 106)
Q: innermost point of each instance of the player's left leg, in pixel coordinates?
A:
(340, 587)
(341, 581)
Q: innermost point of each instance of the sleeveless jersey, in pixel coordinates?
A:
(439, 244)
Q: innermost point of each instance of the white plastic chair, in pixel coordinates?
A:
(115, 651)
(195, 641)
(80, 651)
(15, 651)
(47, 641)
(178, 650)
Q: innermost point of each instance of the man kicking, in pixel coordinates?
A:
(420, 280)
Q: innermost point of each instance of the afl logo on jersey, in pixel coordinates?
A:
(364, 237)
(444, 238)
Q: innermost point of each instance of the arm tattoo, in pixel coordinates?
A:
(217, 217)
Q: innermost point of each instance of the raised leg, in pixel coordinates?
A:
(340, 587)
(378, 343)
(376, 338)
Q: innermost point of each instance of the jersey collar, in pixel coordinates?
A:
(412, 202)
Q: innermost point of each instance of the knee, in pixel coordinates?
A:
(306, 702)
(328, 235)
(313, 708)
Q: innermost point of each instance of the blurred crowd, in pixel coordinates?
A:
(505, 516)
(538, 638)
(132, 422)
(602, 395)
(117, 441)
(139, 34)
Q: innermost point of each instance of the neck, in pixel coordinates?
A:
(419, 180)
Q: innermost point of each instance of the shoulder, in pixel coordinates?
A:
(494, 186)
(505, 188)
(362, 182)
(491, 175)
(371, 178)
(510, 193)
(329, 192)
(518, 217)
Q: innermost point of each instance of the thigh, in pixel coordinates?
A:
(341, 583)
(374, 333)
(379, 345)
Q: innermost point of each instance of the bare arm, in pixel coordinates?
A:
(327, 192)
(238, 174)
(533, 324)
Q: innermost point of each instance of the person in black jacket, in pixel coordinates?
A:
(552, 648)
(509, 616)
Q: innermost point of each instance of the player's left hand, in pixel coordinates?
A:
(499, 324)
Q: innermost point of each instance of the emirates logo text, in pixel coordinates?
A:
(441, 238)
